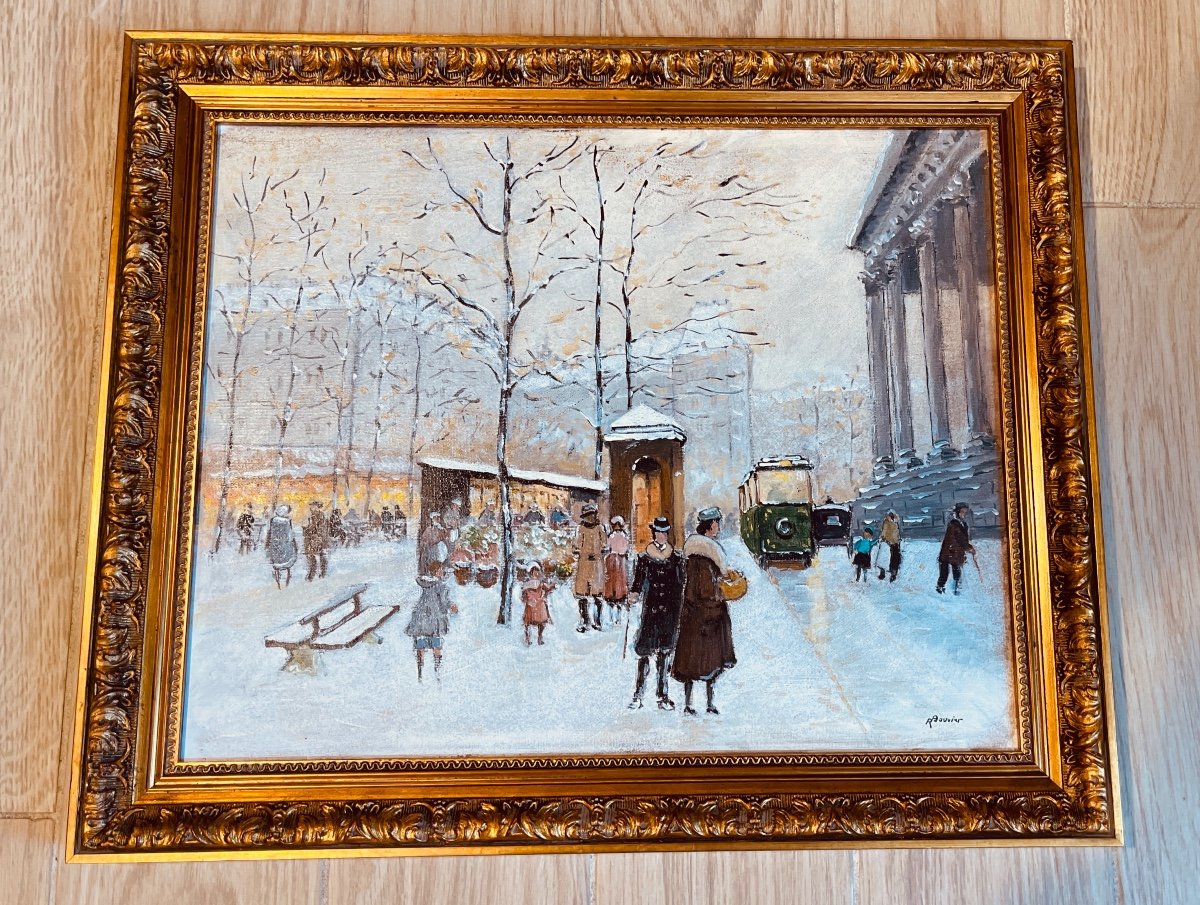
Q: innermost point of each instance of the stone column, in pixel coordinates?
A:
(979, 421)
(935, 359)
(881, 392)
(902, 413)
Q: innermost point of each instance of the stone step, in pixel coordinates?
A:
(925, 495)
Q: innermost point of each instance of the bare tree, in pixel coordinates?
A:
(252, 195)
(494, 312)
(348, 277)
(713, 251)
(311, 236)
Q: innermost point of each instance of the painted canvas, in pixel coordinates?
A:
(535, 441)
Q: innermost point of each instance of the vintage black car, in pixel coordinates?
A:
(831, 524)
(776, 511)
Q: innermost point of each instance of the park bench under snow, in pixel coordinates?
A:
(340, 624)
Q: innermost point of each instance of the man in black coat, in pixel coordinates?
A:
(658, 579)
(956, 544)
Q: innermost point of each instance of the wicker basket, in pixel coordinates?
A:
(734, 585)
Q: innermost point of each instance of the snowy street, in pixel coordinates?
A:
(823, 664)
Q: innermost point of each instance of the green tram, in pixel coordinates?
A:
(776, 502)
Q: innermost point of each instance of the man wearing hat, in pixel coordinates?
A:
(658, 580)
(956, 544)
(316, 541)
(705, 646)
(589, 567)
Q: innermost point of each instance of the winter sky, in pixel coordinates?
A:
(807, 301)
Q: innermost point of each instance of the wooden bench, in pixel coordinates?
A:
(338, 625)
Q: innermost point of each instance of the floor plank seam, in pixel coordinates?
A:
(52, 880)
(854, 859)
(1143, 205)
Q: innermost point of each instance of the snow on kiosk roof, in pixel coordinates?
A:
(518, 474)
(643, 423)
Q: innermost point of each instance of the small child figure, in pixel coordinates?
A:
(862, 554)
(430, 620)
(616, 569)
(534, 594)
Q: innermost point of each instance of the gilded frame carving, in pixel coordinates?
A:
(131, 800)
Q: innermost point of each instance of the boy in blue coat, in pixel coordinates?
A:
(862, 554)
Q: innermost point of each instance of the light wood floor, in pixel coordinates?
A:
(1139, 74)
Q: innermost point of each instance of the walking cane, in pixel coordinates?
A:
(975, 560)
(625, 643)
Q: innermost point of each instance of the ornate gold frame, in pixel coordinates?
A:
(131, 799)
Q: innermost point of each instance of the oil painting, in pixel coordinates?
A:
(542, 441)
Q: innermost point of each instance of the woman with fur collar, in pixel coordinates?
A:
(705, 646)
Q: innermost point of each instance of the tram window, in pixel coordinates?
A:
(833, 520)
(782, 486)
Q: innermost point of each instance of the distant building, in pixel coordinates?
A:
(925, 234)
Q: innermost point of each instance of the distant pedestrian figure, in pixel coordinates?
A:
(354, 528)
(704, 648)
(862, 554)
(956, 544)
(387, 521)
(535, 594)
(245, 531)
(281, 546)
(890, 534)
(559, 518)
(589, 567)
(430, 620)
(337, 532)
(658, 579)
(431, 545)
(616, 568)
(316, 541)
(452, 520)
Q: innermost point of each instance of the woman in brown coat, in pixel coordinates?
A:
(589, 567)
(705, 646)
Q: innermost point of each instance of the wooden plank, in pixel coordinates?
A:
(1146, 336)
(987, 876)
(1035, 19)
(59, 110)
(213, 883)
(701, 878)
(833, 18)
(295, 16)
(761, 18)
(27, 853)
(514, 17)
(1139, 74)
(533, 879)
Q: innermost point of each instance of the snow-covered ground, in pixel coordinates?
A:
(823, 664)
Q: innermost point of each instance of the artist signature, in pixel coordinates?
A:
(941, 719)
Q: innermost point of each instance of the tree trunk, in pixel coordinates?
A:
(227, 471)
(504, 617)
(412, 434)
(596, 350)
(285, 416)
(348, 466)
(378, 422)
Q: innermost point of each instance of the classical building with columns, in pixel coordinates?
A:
(925, 233)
